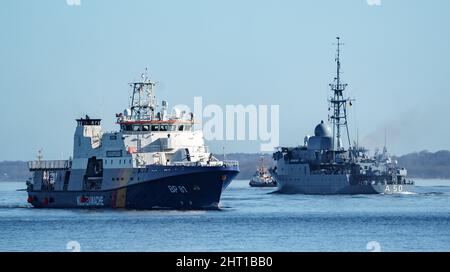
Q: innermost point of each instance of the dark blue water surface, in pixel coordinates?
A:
(251, 219)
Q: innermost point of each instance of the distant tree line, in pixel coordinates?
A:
(426, 164)
(13, 170)
(422, 164)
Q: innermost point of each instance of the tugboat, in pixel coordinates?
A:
(155, 161)
(324, 166)
(262, 177)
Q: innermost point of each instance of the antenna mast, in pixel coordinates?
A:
(339, 104)
(39, 155)
(143, 101)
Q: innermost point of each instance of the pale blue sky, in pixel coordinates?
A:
(59, 62)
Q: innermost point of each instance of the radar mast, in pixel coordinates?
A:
(339, 104)
(143, 101)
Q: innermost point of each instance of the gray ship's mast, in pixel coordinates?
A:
(339, 104)
(39, 155)
(143, 101)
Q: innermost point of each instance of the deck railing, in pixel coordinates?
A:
(231, 163)
(211, 164)
(49, 165)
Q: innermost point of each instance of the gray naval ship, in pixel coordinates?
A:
(324, 166)
(155, 161)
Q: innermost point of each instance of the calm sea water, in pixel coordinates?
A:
(251, 219)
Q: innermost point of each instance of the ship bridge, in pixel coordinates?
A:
(155, 125)
(143, 116)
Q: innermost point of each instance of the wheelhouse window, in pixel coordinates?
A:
(184, 127)
(162, 127)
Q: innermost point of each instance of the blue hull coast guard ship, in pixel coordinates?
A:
(324, 166)
(155, 161)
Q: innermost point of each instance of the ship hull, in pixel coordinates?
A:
(335, 185)
(196, 190)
